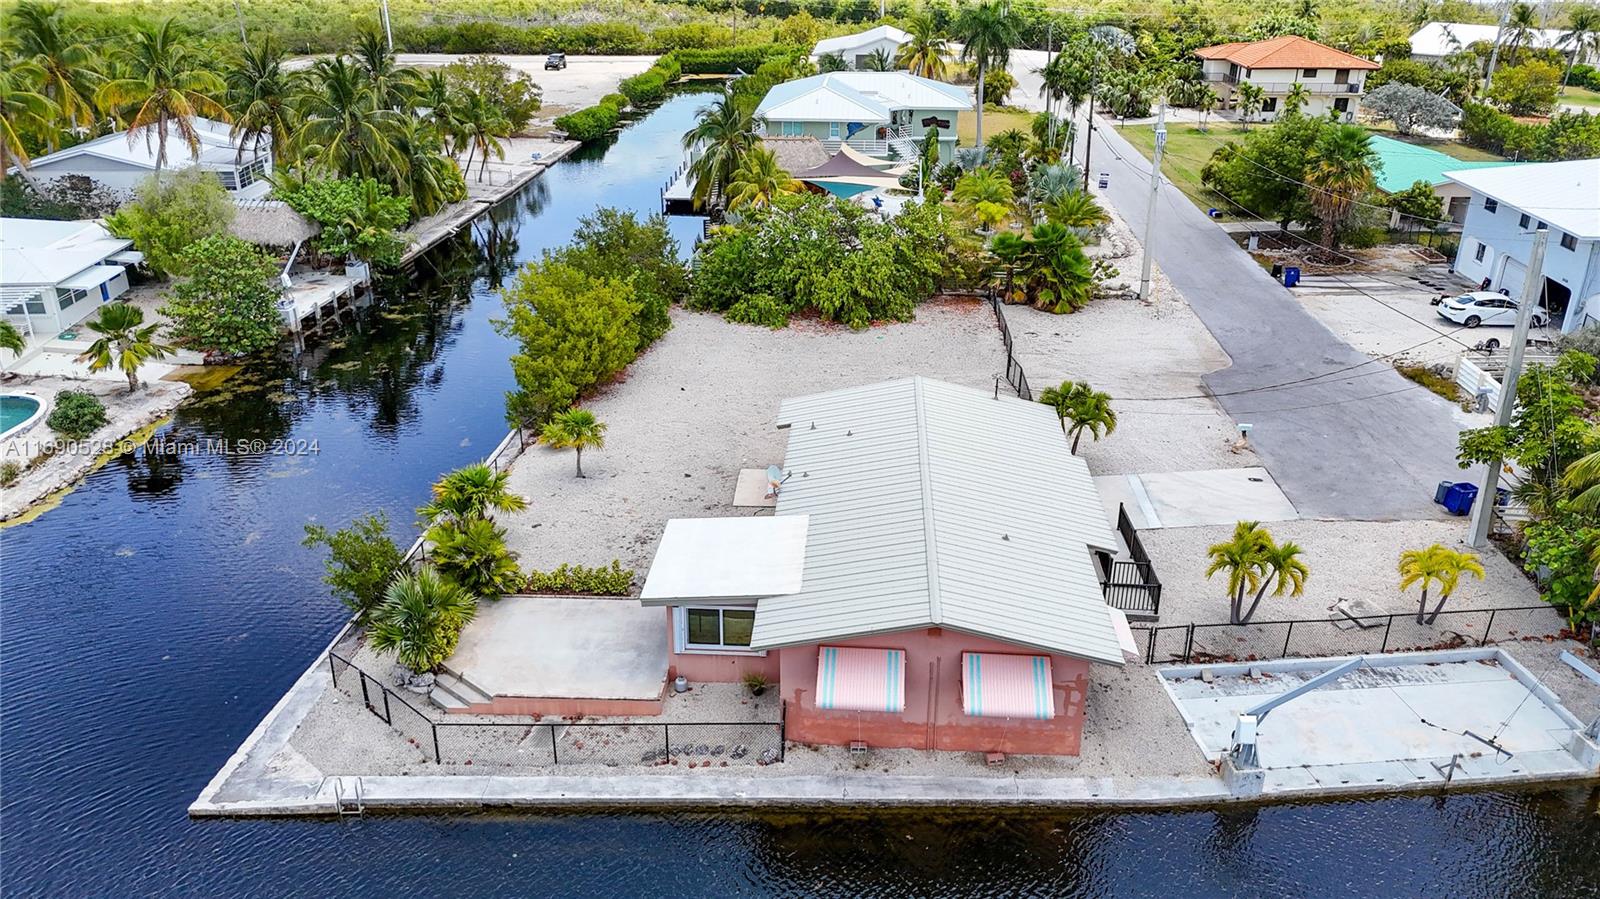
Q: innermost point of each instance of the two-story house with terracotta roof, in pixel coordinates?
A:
(1333, 79)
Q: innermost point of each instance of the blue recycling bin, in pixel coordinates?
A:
(1291, 275)
(1458, 499)
(1440, 491)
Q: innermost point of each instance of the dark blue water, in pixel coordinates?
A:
(152, 619)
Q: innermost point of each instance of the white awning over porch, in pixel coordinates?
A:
(726, 559)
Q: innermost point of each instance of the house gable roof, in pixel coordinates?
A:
(860, 39)
(1553, 192)
(217, 149)
(858, 97)
(1405, 164)
(920, 516)
(1287, 52)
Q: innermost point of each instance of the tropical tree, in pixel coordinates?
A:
(259, 93)
(1582, 479)
(23, 111)
(391, 85)
(1075, 209)
(1338, 174)
(1439, 566)
(726, 132)
(420, 619)
(1069, 75)
(576, 429)
(362, 561)
(167, 85)
(1080, 408)
(879, 60)
(430, 179)
(1249, 102)
(1051, 181)
(1009, 249)
(1581, 39)
(66, 65)
(11, 338)
(1520, 28)
(473, 554)
(472, 491)
(343, 127)
(1243, 557)
(1411, 107)
(1296, 99)
(928, 52)
(1282, 571)
(1205, 100)
(987, 30)
(482, 125)
(832, 62)
(125, 342)
(758, 179)
(987, 194)
(1059, 277)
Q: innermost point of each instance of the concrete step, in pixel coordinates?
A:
(450, 691)
(446, 700)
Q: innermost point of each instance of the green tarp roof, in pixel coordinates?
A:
(1405, 164)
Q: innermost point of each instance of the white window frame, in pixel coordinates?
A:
(680, 633)
(1482, 249)
(1569, 242)
(833, 130)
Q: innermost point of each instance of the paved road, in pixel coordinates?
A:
(1364, 443)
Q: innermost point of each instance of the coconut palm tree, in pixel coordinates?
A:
(67, 66)
(1080, 408)
(1582, 478)
(429, 178)
(23, 111)
(472, 491)
(343, 127)
(482, 126)
(125, 342)
(259, 94)
(10, 337)
(758, 180)
(435, 95)
(575, 429)
(167, 84)
(473, 554)
(1296, 99)
(725, 132)
(1437, 565)
(987, 31)
(1520, 29)
(391, 85)
(420, 619)
(1338, 173)
(1069, 76)
(879, 60)
(1282, 571)
(1243, 557)
(928, 52)
(987, 194)
(1582, 38)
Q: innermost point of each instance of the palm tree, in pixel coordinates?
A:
(430, 179)
(1010, 249)
(66, 64)
(987, 31)
(1282, 570)
(1205, 100)
(1080, 408)
(435, 94)
(473, 554)
(1296, 99)
(169, 83)
(122, 342)
(420, 619)
(343, 128)
(11, 338)
(928, 52)
(1075, 210)
(987, 194)
(1250, 97)
(1069, 76)
(1244, 558)
(391, 85)
(1582, 38)
(259, 92)
(23, 110)
(1338, 174)
(576, 429)
(469, 492)
(1520, 28)
(725, 132)
(1060, 277)
(879, 60)
(758, 180)
(482, 125)
(1440, 565)
(1582, 477)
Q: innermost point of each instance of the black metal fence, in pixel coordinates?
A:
(1305, 637)
(535, 744)
(1014, 373)
(1132, 585)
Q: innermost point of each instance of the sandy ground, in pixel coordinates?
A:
(700, 405)
(582, 83)
(1134, 351)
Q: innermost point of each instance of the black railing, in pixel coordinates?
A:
(531, 744)
(1131, 584)
(1306, 637)
(1014, 373)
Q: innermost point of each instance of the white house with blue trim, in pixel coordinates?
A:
(883, 114)
(54, 275)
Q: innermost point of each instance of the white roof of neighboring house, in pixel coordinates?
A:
(1445, 38)
(933, 505)
(852, 41)
(35, 252)
(217, 150)
(858, 97)
(1564, 194)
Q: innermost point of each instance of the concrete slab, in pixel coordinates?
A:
(751, 490)
(1178, 499)
(564, 647)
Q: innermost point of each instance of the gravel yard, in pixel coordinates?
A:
(1131, 350)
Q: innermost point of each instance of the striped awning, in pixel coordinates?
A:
(1006, 686)
(862, 680)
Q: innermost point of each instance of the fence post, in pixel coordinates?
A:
(437, 758)
(364, 697)
(1387, 624)
(387, 716)
(333, 671)
(1188, 645)
(783, 726)
(1487, 628)
(1287, 634)
(666, 738)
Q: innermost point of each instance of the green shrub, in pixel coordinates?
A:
(612, 580)
(167, 216)
(725, 60)
(9, 473)
(77, 414)
(473, 553)
(615, 244)
(1364, 237)
(229, 303)
(420, 619)
(591, 122)
(646, 87)
(362, 560)
(1585, 75)
(360, 217)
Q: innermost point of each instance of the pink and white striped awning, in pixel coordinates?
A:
(994, 685)
(862, 680)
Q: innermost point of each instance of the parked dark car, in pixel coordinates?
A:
(555, 61)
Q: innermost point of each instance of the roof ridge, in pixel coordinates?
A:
(930, 531)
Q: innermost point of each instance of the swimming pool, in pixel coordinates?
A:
(16, 412)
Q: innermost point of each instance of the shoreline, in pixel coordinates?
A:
(433, 230)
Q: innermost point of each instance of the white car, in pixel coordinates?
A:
(1485, 307)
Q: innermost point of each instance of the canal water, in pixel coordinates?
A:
(154, 617)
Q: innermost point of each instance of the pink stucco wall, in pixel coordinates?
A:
(715, 669)
(933, 716)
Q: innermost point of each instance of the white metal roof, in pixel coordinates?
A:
(1445, 38)
(727, 559)
(858, 97)
(860, 39)
(1564, 194)
(217, 149)
(92, 277)
(34, 252)
(933, 505)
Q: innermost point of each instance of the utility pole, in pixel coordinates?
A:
(1150, 210)
(1532, 292)
(388, 32)
(1088, 138)
(1049, 95)
(1499, 35)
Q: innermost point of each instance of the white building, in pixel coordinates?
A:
(54, 275)
(1334, 79)
(1507, 204)
(120, 165)
(877, 113)
(1437, 40)
(858, 48)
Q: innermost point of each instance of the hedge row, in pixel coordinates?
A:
(613, 38)
(651, 85)
(1567, 135)
(592, 122)
(727, 60)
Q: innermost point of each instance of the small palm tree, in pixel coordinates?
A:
(1075, 209)
(473, 554)
(420, 619)
(1338, 174)
(23, 110)
(168, 86)
(1081, 408)
(1243, 557)
(928, 52)
(1581, 39)
(472, 491)
(1582, 477)
(758, 179)
(1250, 97)
(1283, 572)
(10, 337)
(1437, 565)
(987, 194)
(1296, 99)
(1205, 100)
(482, 124)
(576, 429)
(1009, 249)
(125, 342)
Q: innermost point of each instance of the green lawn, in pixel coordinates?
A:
(1581, 96)
(1188, 149)
(994, 122)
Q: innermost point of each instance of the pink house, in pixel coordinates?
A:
(928, 579)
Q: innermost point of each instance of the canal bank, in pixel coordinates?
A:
(142, 654)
